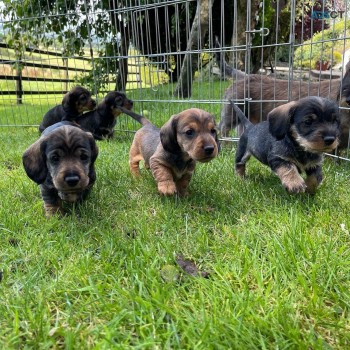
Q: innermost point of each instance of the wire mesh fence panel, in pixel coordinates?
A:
(172, 55)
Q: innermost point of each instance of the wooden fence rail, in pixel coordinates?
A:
(19, 78)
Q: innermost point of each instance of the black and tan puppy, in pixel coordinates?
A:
(101, 122)
(173, 151)
(265, 93)
(62, 163)
(74, 103)
(291, 141)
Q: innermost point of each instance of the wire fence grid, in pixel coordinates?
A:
(144, 48)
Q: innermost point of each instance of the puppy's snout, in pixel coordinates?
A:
(72, 179)
(208, 150)
(328, 140)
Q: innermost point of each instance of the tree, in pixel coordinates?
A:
(311, 17)
(166, 32)
(195, 42)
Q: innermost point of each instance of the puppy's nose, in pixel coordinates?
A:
(328, 140)
(71, 180)
(208, 150)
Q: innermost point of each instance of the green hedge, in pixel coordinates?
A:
(324, 46)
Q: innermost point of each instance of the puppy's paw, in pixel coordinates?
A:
(183, 192)
(167, 188)
(312, 182)
(51, 210)
(135, 171)
(240, 170)
(295, 187)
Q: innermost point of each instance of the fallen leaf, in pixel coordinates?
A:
(190, 267)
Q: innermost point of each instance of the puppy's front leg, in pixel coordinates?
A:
(290, 177)
(52, 202)
(183, 183)
(163, 177)
(313, 179)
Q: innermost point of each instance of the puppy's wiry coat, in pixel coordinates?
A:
(74, 103)
(172, 151)
(62, 163)
(101, 122)
(263, 91)
(291, 141)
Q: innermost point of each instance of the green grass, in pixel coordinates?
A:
(279, 264)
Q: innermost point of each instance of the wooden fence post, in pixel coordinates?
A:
(19, 85)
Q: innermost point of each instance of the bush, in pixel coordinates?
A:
(322, 47)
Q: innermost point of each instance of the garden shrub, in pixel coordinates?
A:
(322, 47)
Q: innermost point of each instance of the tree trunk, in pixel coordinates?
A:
(199, 30)
(19, 85)
(121, 26)
(239, 36)
(122, 73)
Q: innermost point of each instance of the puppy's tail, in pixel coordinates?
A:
(139, 118)
(226, 69)
(242, 118)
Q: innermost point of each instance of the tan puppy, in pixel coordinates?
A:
(172, 151)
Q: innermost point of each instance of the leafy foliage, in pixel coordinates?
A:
(323, 47)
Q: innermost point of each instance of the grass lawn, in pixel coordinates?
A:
(105, 276)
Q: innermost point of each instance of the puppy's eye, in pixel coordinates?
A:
(308, 121)
(189, 132)
(55, 158)
(84, 156)
(335, 118)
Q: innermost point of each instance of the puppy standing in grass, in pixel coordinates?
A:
(62, 163)
(172, 151)
(291, 141)
(101, 122)
(74, 103)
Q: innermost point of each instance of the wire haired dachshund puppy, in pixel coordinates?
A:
(173, 151)
(263, 91)
(62, 163)
(74, 103)
(101, 122)
(291, 141)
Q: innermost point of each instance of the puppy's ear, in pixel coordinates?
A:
(216, 134)
(34, 161)
(94, 154)
(347, 67)
(66, 101)
(281, 118)
(93, 147)
(217, 141)
(168, 135)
